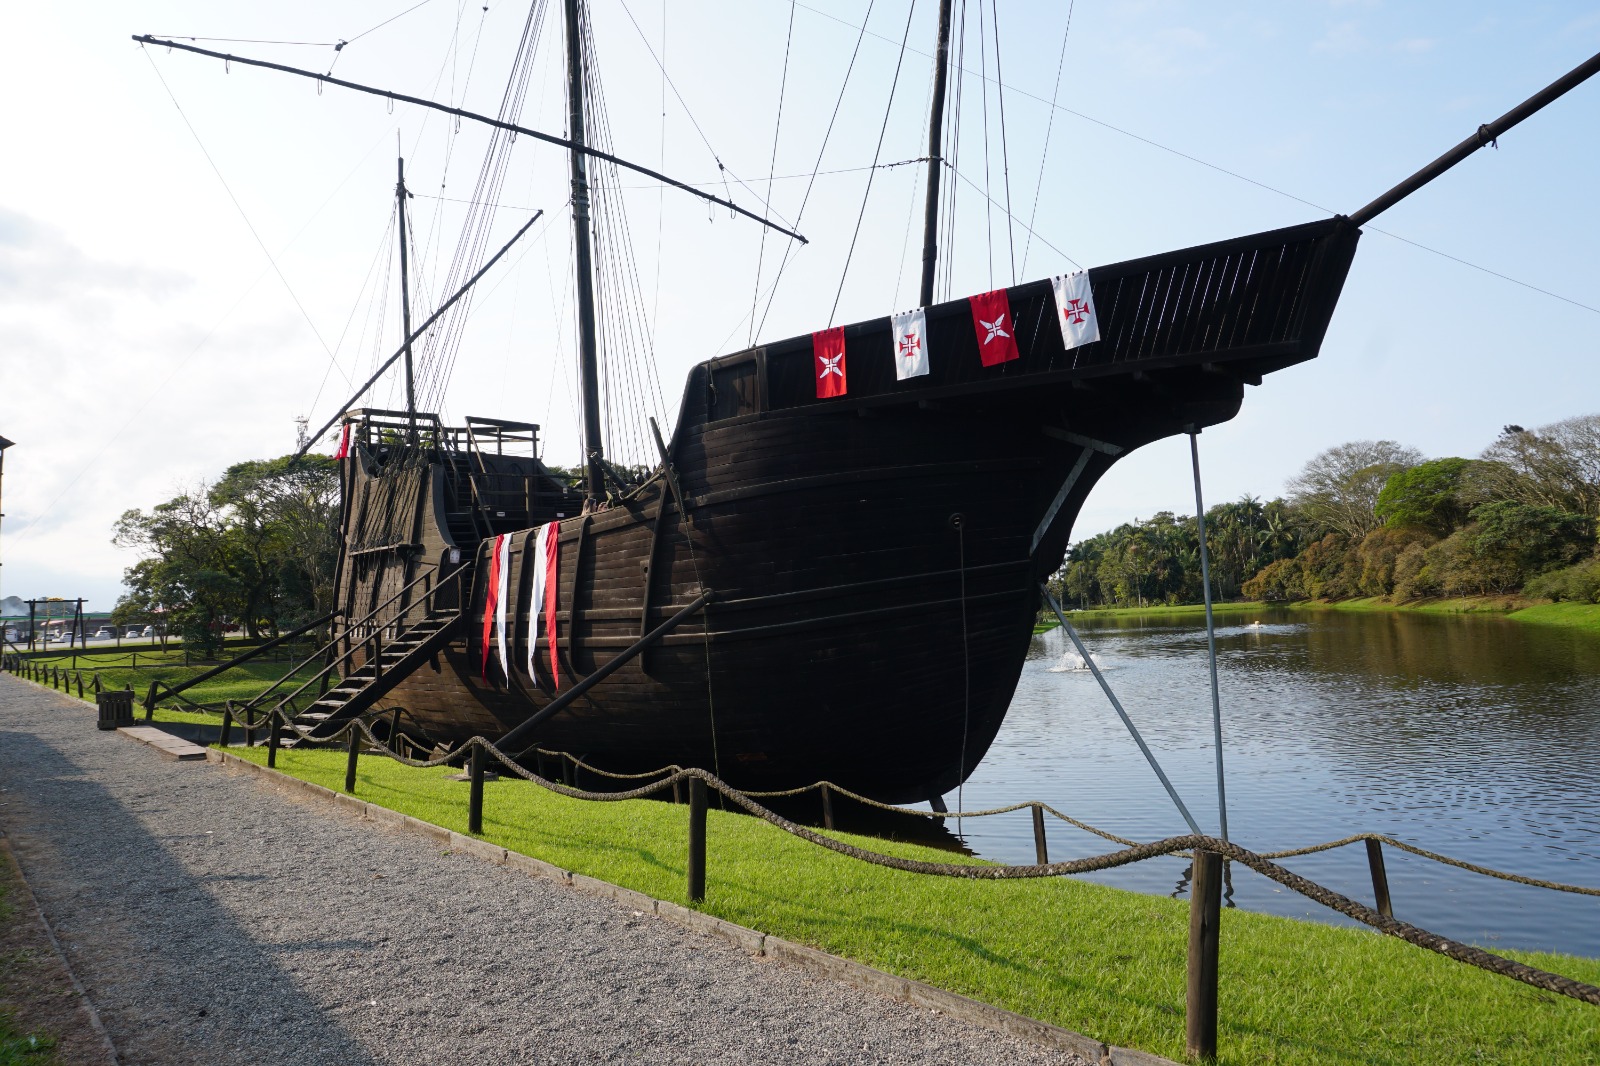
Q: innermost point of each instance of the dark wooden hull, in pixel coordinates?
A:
(875, 557)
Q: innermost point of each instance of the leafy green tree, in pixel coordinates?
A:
(257, 548)
(1337, 491)
(1426, 496)
(1554, 466)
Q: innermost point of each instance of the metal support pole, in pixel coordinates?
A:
(1041, 850)
(1116, 704)
(1380, 878)
(697, 840)
(1211, 632)
(475, 796)
(1205, 915)
(351, 758)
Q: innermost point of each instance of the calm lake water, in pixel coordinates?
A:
(1476, 737)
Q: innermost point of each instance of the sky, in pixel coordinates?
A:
(193, 255)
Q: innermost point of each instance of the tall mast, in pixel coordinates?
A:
(588, 370)
(930, 224)
(405, 306)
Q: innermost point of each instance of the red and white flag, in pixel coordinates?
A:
(542, 597)
(827, 348)
(997, 334)
(910, 344)
(552, 571)
(1075, 303)
(494, 610)
(344, 443)
(502, 549)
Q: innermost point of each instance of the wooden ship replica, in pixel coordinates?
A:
(820, 580)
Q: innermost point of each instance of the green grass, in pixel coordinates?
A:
(1159, 609)
(1100, 960)
(1567, 615)
(17, 1047)
(241, 683)
(1572, 615)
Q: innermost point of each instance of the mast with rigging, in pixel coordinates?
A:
(930, 224)
(405, 304)
(588, 363)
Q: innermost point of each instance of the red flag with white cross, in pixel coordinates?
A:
(827, 348)
(991, 320)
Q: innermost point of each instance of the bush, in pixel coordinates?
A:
(1413, 579)
(1575, 584)
(1277, 582)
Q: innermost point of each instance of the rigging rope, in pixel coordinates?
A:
(872, 173)
(788, 250)
(772, 165)
(1049, 125)
(988, 208)
(248, 224)
(1005, 153)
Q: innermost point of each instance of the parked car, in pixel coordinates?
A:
(104, 633)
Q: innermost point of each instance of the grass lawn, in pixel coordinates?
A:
(1103, 961)
(1159, 610)
(1572, 615)
(241, 683)
(19, 1045)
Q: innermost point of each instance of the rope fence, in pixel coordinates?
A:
(358, 737)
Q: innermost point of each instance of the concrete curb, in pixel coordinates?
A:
(754, 942)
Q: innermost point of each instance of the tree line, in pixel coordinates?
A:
(1376, 518)
(256, 549)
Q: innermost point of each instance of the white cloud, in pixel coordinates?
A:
(38, 263)
(1342, 38)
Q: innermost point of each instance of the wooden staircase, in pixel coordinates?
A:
(358, 691)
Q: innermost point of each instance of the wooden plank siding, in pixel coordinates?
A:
(850, 611)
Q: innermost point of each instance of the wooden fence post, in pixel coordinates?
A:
(272, 742)
(827, 806)
(1380, 878)
(1205, 914)
(475, 796)
(227, 725)
(80, 684)
(697, 840)
(1041, 850)
(350, 761)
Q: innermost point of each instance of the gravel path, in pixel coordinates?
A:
(214, 920)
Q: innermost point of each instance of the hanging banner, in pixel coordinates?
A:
(827, 348)
(1075, 303)
(344, 443)
(536, 562)
(502, 568)
(491, 604)
(991, 320)
(910, 344)
(552, 570)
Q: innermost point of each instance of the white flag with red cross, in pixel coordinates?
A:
(1075, 304)
(910, 344)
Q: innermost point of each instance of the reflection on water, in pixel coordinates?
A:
(1475, 737)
